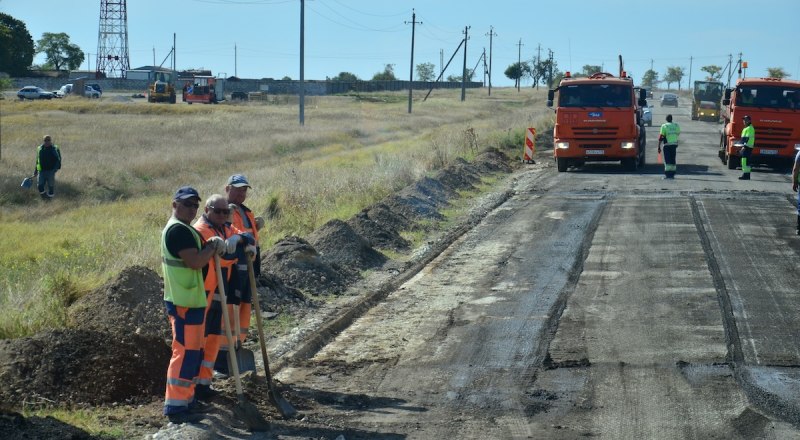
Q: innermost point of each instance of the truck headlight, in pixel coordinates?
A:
(562, 145)
(627, 145)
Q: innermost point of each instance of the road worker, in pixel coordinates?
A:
(748, 141)
(795, 182)
(183, 257)
(244, 220)
(669, 137)
(48, 162)
(213, 223)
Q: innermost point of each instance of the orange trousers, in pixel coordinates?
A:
(187, 352)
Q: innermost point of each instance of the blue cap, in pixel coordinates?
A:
(186, 192)
(238, 181)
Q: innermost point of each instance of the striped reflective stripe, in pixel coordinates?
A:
(179, 382)
(207, 364)
(205, 381)
(173, 263)
(176, 402)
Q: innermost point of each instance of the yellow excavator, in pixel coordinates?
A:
(161, 88)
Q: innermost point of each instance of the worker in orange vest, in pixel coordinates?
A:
(213, 223)
(243, 219)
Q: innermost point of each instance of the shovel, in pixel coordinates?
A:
(284, 407)
(244, 410)
(244, 356)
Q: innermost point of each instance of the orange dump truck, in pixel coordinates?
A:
(598, 118)
(774, 108)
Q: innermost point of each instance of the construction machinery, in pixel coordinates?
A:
(598, 118)
(773, 105)
(161, 88)
(706, 99)
(205, 89)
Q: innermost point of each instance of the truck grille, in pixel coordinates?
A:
(608, 133)
(595, 146)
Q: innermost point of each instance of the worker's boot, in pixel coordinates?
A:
(744, 176)
(798, 224)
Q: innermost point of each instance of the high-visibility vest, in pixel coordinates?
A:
(183, 286)
(244, 220)
(670, 130)
(750, 133)
(207, 230)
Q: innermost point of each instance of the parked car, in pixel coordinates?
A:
(669, 99)
(96, 87)
(647, 116)
(33, 92)
(65, 90)
(89, 92)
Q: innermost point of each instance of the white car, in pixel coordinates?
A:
(33, 92)
(647, 116)
(89, 92)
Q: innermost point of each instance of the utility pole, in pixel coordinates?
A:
(536, 67)
(550, 70)
(485, 69)
(519, 63)
(491, 34)
(689, 84)
(739, 63)
(651, 64)
(411, 75)
(302, 58)
(464, 69)
(154, 55)
(235, 60)
(441, 62)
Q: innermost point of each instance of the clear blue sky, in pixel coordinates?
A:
(361, 36)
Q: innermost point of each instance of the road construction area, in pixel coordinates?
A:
(596, 303)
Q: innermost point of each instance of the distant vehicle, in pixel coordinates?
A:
(204, 89)
(33, 92)
(706, 99)
(647, 116)
(96, 87)
(669, 99)
(65, 90)
(89, 92)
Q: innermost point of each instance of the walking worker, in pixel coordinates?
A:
(795, 182)
(48, 161)
(244, 220)
(183, 257)
(748, 141)
(669, 137)
(214, 224)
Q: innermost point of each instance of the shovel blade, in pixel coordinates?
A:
(244, 359)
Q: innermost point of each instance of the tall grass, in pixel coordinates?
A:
(122, 160)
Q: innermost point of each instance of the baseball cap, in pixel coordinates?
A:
(238, 181)
(186, 192)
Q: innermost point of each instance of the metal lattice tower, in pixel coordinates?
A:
(113, 60)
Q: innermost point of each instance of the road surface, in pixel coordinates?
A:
(596, 303)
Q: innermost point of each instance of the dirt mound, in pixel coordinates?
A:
(299, 265)
(461, 175)
(337, 242)
(492, 161)
(82, 366)
(131, 303)
(281, 298)
(381, 227)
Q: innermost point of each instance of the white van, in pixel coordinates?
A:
(65, 90)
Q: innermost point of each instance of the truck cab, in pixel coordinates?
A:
(773, 105)
(204, 89)
(598, 118)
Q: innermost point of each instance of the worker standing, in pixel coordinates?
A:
(48, 162)
(748, 141)
(669, 137)
(183, 257)
(795, 182)
(213, 223)
(244, 220)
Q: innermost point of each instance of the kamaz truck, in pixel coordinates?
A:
(773, 105)
(204, 89)
(706, 100)
(598, 118)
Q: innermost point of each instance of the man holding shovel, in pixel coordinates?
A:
(183, 257)
(213, 223)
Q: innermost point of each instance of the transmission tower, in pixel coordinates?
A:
(112, 40)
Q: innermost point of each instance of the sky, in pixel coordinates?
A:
(261, 38)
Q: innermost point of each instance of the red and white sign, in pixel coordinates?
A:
(530, 146)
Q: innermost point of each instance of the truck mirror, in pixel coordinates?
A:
(551, 94)
(728, 93)
(726, 102)
(642, 94)
(549, 102)
(642, 102)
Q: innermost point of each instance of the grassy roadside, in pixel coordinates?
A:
(123, 160)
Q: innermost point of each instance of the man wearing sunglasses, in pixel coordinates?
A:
(213, 224)
(184, 255)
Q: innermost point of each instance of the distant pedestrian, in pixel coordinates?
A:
(48, 162)
(748, 141)
(669, 137)
(795, 182)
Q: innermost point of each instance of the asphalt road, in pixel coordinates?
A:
(595, 303)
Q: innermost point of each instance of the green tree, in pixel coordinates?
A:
(59, 52)
(386, 75)
(714, 72)
(674, 74)
(16, 46)
(457, 78)
(589, 70)
(650, 78)
(777, 72)
(426, 72)
(516, 71)
(345, 77)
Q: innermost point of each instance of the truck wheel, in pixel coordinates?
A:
(630, 164)
(561, 164)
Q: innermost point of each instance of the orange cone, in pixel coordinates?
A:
(530, 146)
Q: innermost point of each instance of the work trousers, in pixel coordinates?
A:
(47, 178)
(214, 337)
(746, 153)
(243, 297)
(670, 155)
(187, 352)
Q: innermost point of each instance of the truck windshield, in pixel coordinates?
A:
(595, 95)
(768, 96)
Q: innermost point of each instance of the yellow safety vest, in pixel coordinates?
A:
(183, 286)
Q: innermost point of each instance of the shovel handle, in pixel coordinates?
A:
(259, 320)
(225, 319)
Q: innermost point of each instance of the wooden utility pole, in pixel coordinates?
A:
(519, 62)
(411, 74)
(491, 34)
(302, 62)
(464, 69)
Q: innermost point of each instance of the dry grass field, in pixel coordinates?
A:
(123, 159)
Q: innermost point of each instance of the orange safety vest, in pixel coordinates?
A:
(239, 221)
(227, 261)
